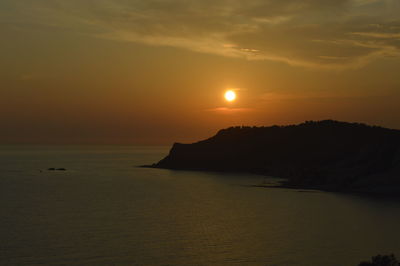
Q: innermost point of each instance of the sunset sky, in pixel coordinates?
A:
(155, 72)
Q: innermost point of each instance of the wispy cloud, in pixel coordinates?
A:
(380, 35)
(228, 110)
(322, 34)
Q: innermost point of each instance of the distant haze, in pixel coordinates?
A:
(155, 72)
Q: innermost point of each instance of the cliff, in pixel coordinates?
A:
(325, 154)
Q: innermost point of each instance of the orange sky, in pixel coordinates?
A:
(154, 72)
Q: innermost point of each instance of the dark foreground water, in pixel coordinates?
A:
(105, 211)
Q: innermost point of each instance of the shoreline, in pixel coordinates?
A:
(285, 184)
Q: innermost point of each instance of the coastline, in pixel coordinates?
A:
(284, 183)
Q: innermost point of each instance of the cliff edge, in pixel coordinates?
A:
(327, 154)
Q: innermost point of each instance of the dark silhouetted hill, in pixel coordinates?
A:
(325, 154)
(381, 260)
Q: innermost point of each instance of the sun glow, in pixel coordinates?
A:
(230, 96)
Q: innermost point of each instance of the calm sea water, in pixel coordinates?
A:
(106, 211)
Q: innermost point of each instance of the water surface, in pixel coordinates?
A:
(105, 211)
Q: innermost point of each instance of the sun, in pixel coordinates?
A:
(230, 95)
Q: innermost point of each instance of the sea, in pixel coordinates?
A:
(105, 210)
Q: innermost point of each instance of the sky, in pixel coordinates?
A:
(154, 72)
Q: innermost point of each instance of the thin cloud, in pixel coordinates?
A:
(230, 110)
(381, 35)
(279, 96)
(321, 34)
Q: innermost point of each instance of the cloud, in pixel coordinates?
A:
(316, 95)
(322, 34)
(379, 35)
(230, 110)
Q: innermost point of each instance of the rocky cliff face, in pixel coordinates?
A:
(327, 154)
